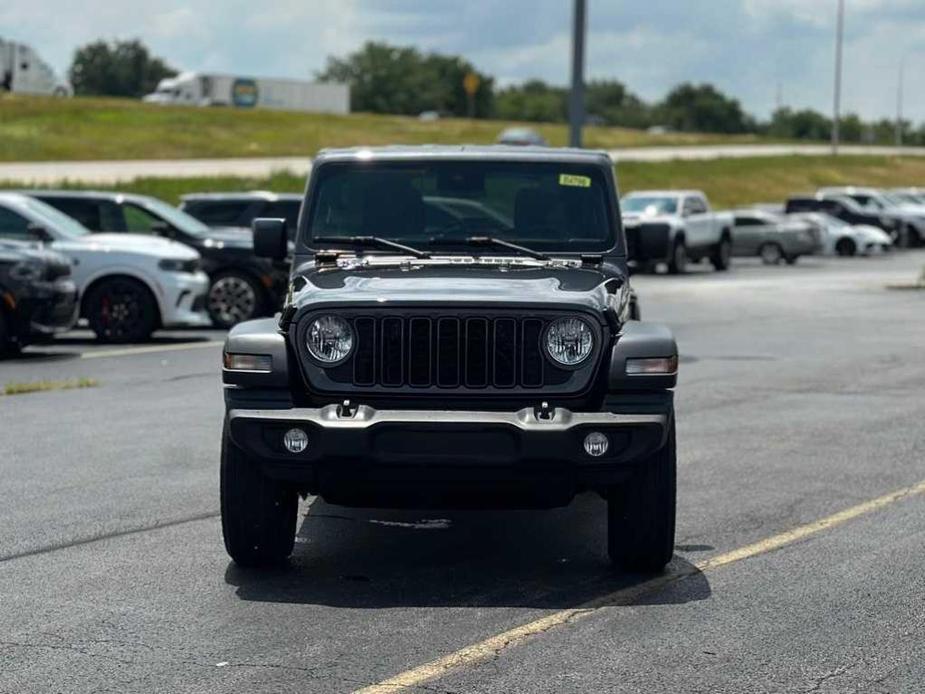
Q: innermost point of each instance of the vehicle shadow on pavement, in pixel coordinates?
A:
(374, 559)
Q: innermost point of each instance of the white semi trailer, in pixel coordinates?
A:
(22, 71)
(200, 89)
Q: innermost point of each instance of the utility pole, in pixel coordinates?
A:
(576, 104)
(839, 37)
(899, 102)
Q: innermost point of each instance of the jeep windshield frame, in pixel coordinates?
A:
(555, 207)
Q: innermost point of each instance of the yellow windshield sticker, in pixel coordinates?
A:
(575, 181)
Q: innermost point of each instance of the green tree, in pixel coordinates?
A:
(613, 103)
(703, 108)
(392, 79)
(120, 68)
(533, 100)
(804, 124)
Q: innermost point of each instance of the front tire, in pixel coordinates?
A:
(721, 255)
(846, 248)
(641, 513)
(234, 297)
(771, 253)
(678, 263)
(121, 309)
(258, 513)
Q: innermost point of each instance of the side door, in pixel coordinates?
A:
(748, 234)
(698, 222)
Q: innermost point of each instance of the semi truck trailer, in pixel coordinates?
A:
(200, 89)
(22, 71)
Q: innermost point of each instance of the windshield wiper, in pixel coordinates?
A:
(490, 241)
(372, 242)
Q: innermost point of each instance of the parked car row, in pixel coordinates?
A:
(129, 264)
(677, 227)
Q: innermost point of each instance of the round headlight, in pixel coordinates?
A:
(329, 339)
(569, 341)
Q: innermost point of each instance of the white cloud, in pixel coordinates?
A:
(746, 47)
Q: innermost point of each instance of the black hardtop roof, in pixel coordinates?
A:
(561, 155)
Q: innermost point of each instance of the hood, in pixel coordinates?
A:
(230, 237)
(872, 234)
(579, 286)
(136, 243)
(637, 218)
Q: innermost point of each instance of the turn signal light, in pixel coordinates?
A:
(659, 366)
(248, 362)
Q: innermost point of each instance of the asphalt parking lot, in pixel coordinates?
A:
(798, 564)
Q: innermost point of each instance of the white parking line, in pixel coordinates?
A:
(153, 349)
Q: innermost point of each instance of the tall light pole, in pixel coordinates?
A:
(839, 37)
(576, 102)
(899, 102)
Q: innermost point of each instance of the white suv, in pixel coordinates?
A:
(130, 284)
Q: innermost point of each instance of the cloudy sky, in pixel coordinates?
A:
(757, 50)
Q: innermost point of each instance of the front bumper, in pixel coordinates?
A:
(184, 300)
(358, 458)
(49, 308)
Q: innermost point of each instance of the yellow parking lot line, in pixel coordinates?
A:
(153, 349)
(490, 647)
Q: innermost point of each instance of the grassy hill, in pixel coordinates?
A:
(45, 129)
(728, 182)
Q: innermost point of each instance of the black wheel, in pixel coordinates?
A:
(7, 346)
(258, 513)
(234, 297)
(791, 259)
(121, 309)
(771, 253)
(846, 247)
(678, 263)
(721, 255)
(641, 513)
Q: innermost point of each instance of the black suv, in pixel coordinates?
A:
(37, 296)
(458, 335)
(241, 209)
(242, 286)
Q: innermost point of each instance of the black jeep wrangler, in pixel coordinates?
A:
(458, 334)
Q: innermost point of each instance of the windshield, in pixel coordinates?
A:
(57, 221)
(176, 218)
(549, 207)
(833, 221)
(649, 205)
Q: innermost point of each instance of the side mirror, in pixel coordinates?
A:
(270, 238)
(163, 229)
(39, 233)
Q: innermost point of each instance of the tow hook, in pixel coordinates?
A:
(346, 410)
(543, 411)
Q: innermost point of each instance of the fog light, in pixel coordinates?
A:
(295, 440)
(596, 444)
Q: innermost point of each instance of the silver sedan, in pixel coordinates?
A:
(772, 238)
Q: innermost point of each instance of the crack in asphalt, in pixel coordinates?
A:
(108, 536)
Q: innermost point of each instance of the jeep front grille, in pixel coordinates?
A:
(497, 351)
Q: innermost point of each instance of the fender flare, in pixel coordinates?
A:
(638, 340)
(260, 336)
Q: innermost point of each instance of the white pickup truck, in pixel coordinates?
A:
(675, 227)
